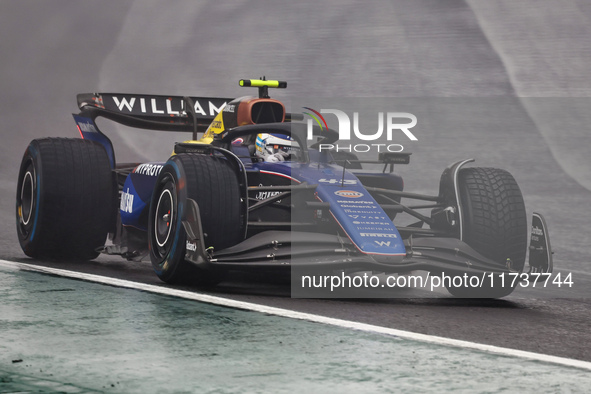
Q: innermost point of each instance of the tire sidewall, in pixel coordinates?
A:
(30, 234)
(166, 265)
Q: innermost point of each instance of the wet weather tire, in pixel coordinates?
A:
(212, 183)
(494, 224)
(65, 199)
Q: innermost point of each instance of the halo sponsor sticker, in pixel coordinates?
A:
(348, 193)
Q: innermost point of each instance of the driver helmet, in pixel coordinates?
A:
(276, 147)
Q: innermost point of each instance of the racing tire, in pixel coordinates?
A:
(65, 199)
(213, 184)
(495, 225)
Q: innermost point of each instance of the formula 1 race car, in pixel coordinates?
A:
(252, 195)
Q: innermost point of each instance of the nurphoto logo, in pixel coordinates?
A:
(397, 123)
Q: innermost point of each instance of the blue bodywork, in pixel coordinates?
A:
(89, 131)
(354, 209)
(137, 193)
(352, 206)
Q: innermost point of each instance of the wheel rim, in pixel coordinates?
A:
(26, 201)
(164, 219)
(27, 197)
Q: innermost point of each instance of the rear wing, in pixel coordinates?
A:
(165, 113)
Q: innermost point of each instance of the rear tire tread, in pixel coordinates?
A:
(77, 198)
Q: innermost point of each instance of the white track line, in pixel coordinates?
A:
(299, 315)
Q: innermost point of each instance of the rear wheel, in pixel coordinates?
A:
(65, 199)
(212, 183)
(494, 223)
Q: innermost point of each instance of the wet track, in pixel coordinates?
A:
(531, 64)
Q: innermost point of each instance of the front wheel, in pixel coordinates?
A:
(212, 183)
(494, 224)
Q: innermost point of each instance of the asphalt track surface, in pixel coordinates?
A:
(530, 61)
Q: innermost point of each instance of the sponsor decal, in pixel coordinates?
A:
(367, 217)
(87, 127)
(172, 106)
(378, 235)
(536, 233)
(265, 195)
(371, 223)
(216, 126)
(382, 243)
(347, 210)
(98, 101)
(126, 204)
(148, 169)
(230, 108)
(349, 194)
(190, 246)
(338, 181)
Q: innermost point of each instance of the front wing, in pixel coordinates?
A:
(280, 250)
